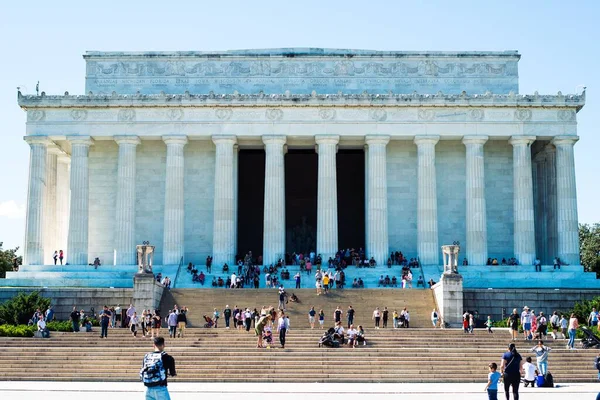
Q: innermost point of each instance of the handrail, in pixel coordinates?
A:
(178, 270)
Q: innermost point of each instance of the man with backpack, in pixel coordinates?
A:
(155, 368)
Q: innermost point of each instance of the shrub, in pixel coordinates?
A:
(17, 331)
(20, 309)
(60, 326)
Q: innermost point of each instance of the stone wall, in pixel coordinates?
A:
(199, 183)
(402, 197)
(499, 198)
(450, 168)
(491, 302)
(103, 191)
(64, 299)
(151, 173)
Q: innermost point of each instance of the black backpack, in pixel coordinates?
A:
(597, 363)
(548, 380)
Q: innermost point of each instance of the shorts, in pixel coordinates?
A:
(321, 322)
(311, 319)
(527, 326)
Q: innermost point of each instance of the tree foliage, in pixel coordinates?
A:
(8, 260)
(589, 247)
(20, 309)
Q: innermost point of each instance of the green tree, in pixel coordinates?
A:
(589, 247)
(9, 260)
(20, 309)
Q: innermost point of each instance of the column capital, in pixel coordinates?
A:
(377, 139)
(432, 140)
(480, 139)
(327, 139)
(126, 139)
(80, 140)
(565, 140)
(224, 139)
(175, 139)
(274, 139)
(38, 139)
(521, 140)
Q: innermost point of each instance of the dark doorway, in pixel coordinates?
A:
(301, 201)
(251, 206)
(351, 198)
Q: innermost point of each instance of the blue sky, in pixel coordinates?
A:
(43, 40)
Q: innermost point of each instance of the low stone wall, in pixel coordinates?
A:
(63, 299)
(492, 301)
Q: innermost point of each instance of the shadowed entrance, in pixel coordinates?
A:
(301, 201)
(351, 198)
(251, 194)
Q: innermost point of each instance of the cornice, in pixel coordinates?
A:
(287, 99)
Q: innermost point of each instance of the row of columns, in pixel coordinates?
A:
(47, 184)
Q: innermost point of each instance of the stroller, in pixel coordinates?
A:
(209, 322)
(590, 340)
(327, 339)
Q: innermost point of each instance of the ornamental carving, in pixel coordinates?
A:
(274, 114)
(329, 68)
(327, 113)
(426, 115)
(126, 115)
(175, 114)
(79, 115)
(566, 115)
(476, 114)
(378, 114)
(224, 114)
(523, 114)
(36, 115)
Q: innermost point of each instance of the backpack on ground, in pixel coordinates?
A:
(153, 371)
(548, 380)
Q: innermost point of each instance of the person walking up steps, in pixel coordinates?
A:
(512, 369)
(350, 316)
(282, 327)
(377, 317)
(311, 317)
(493, 379)
(155, 368)
(384, 316)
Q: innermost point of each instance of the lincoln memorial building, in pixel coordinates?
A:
(290, 150)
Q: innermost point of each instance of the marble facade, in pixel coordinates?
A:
(452, 153)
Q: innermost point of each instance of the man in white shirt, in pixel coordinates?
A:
(530, 374)
(282, 326)
(232, 284)
(352, 336)
(339, 332)
(41, 325)
(526, 322)
(555, 324)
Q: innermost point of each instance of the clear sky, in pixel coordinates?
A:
(44, 40)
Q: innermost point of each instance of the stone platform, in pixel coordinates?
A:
(475, 277)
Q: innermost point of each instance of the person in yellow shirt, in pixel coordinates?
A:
(326, 283)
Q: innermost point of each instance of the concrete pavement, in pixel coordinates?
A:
(289, 391)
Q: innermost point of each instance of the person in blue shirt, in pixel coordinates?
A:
(493, 379)
(593, 318)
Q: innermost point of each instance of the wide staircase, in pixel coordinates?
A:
(419, 303)
(417, 354)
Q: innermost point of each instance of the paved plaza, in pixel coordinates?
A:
(289, 391)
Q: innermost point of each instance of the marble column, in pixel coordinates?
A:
(476, 223)
(236, 153)
(125, 207)
(327, 211)
(427, 223)
(377, 209)
(62, 201)
(174, 223)
(224, 211)
(50, 236)
(524, 225)
(274, 218)
(79, 208)
(566, 200)
(34, 223)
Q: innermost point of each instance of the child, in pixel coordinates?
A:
(493, 379)
(465, 324)
(530, 373)
(268, 336)
(321, 318)
(489, 324)
(563, 326)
